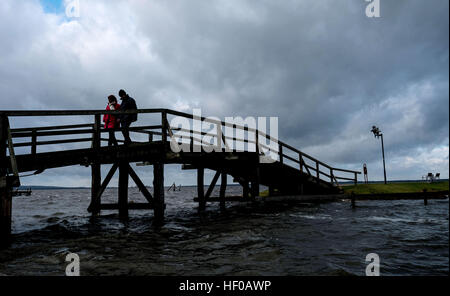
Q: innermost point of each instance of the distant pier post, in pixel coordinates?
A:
(158, 194)
(425, 197)
(5, 190)
(123, 189)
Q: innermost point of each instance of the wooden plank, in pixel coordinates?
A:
(130, 206)
(33, 144)
(211, 186)
(20, 113)
(48, 128)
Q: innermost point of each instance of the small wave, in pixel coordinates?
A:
(315, 217)
(396, 220)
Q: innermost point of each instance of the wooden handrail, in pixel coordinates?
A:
(166, 131)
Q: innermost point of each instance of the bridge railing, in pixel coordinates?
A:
(303, 162)
(255, 140)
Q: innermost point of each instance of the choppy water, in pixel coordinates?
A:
(250, 239)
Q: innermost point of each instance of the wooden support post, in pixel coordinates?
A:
(150, 137)
(5, 190)
(158, 194)
(223, 187)
(255, 184)
(331, 176)
(352, 196)
(425, 197)
(95, 188)
(96, 168)
(123, 189)
(201, 189)
(356, 179)
(317, 172)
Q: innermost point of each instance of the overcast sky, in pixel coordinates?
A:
(325, 69)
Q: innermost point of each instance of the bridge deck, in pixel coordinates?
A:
(290, 171)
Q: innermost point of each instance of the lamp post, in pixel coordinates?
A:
(377, 133)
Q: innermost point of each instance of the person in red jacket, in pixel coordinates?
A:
(110, 120)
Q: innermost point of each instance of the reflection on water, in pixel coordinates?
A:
(250, 239)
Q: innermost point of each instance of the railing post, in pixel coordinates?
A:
(317, 172)
(164, 130)
(331, 176)
(280, 151)
(5, 190)
(191, 142)
(356, 178)
(33, 142)
(257, 141)
(300, 160)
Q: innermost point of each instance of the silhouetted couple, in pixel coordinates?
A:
(112, 121)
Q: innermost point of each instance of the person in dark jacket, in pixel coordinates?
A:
(128, 103)
(111, 121)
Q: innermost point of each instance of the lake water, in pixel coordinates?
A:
(249, 239)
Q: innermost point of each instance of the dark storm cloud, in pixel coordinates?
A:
(326, 70)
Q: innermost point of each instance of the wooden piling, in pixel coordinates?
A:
(201, 189)
(255, 184)
(352, 195)
(123, 189)
(96, 180)
(5, 190)
(223, 187)
(245, 189)
(95, 188)
(158, 194)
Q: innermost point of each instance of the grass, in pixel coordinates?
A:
(408, 187)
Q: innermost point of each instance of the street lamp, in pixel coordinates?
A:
(377, 133)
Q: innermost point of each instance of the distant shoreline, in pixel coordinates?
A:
(44, 187)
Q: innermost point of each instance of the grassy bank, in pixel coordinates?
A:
(396, 187)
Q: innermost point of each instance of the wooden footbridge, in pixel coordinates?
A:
(290, 172)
